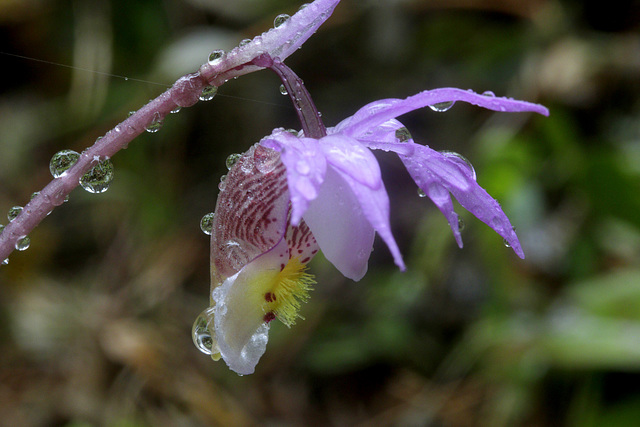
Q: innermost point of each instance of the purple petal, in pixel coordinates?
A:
(337, 222)
(378, 112)
(278, 42)
(306, 167)
(432, 170)
(352, 158)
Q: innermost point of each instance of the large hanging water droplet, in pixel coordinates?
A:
(280, 19)
(462, 160)
(441, 107)
(216, 54)
(208, 93)
(155, 125)
(22, 244)
(283, 90)
(14, 212)
(403, 134)
(206, 223)
(232, 160)
(98, 179)
(200, 332)
(61, 161)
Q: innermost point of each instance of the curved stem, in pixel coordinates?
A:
(308, 114)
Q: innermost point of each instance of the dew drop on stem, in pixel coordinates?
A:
(98, 179)
(14, 212)
(216, 54)
(22, 244)
(441, 107)
(208, 93)
(61, 161)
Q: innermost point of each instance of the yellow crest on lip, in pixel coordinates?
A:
(290, 288)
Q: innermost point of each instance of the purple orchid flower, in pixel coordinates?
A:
(295, 193)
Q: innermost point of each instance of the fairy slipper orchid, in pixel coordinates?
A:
(321, 188)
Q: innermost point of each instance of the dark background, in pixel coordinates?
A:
(95, 316)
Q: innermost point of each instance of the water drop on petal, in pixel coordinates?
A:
(200, 332)
(283, 90)
(403, 134)
(22, 244)
(244, 42)
(232, 160)
(6, 261)
(421, 193)
(489, 94)
(176, 110)
(206, 223)
(208, 93)
(222, 184)
(216, 54)
(280, 20)
(441, 107)
(461, 160)
(98, 179)
(61, 161)
(461, 224)
(14, 212)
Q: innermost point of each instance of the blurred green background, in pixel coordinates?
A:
(95, 316)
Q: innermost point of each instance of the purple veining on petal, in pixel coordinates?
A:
(378, 112)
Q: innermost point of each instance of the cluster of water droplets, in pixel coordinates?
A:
(96, 180)
(23, 242)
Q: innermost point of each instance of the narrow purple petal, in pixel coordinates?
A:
(279, 42)
(352, 158)
(306, 167)
(378, 112)
(337, 222)
(431, 170)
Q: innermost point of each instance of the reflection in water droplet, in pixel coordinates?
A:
(155, 125)
(206, 223)
(6, 261)
(421, 193)
(216, 54)
(462, 160)
(222, 183)
(208, 93)
(403, 134)
(98, 179)
(441, 107)
(283, 90)
(280, 19)
(34, 195)
(22, 244)
(176, 110)
(461, 224)
(14, 212)
(200, 332)
(303, 6)
(61, 161)
(506, 243)
(489, 94)
(232, 160)
(244, 42)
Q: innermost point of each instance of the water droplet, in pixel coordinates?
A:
(421, 193)
(61, 161)
(206, 223)
(6, 261)
(200, 332)
(176, 110)
(208, 93)
(222, 184)
(155, 125)
(216, 54)
(506, 243)
(22, 244)
(98, 179)
(461, 224)
(283, 90)
(403, 134)
(1, 228)
(489, 93)
(14, 212)
(232, 160)
(462, 160)
(34, 195)
(280, 20)
(131, 113)
(303, 6)
(441, 107)
(244, 42)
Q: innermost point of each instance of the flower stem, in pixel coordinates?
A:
(308, 114)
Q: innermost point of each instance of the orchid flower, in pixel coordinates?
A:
(295, 193)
